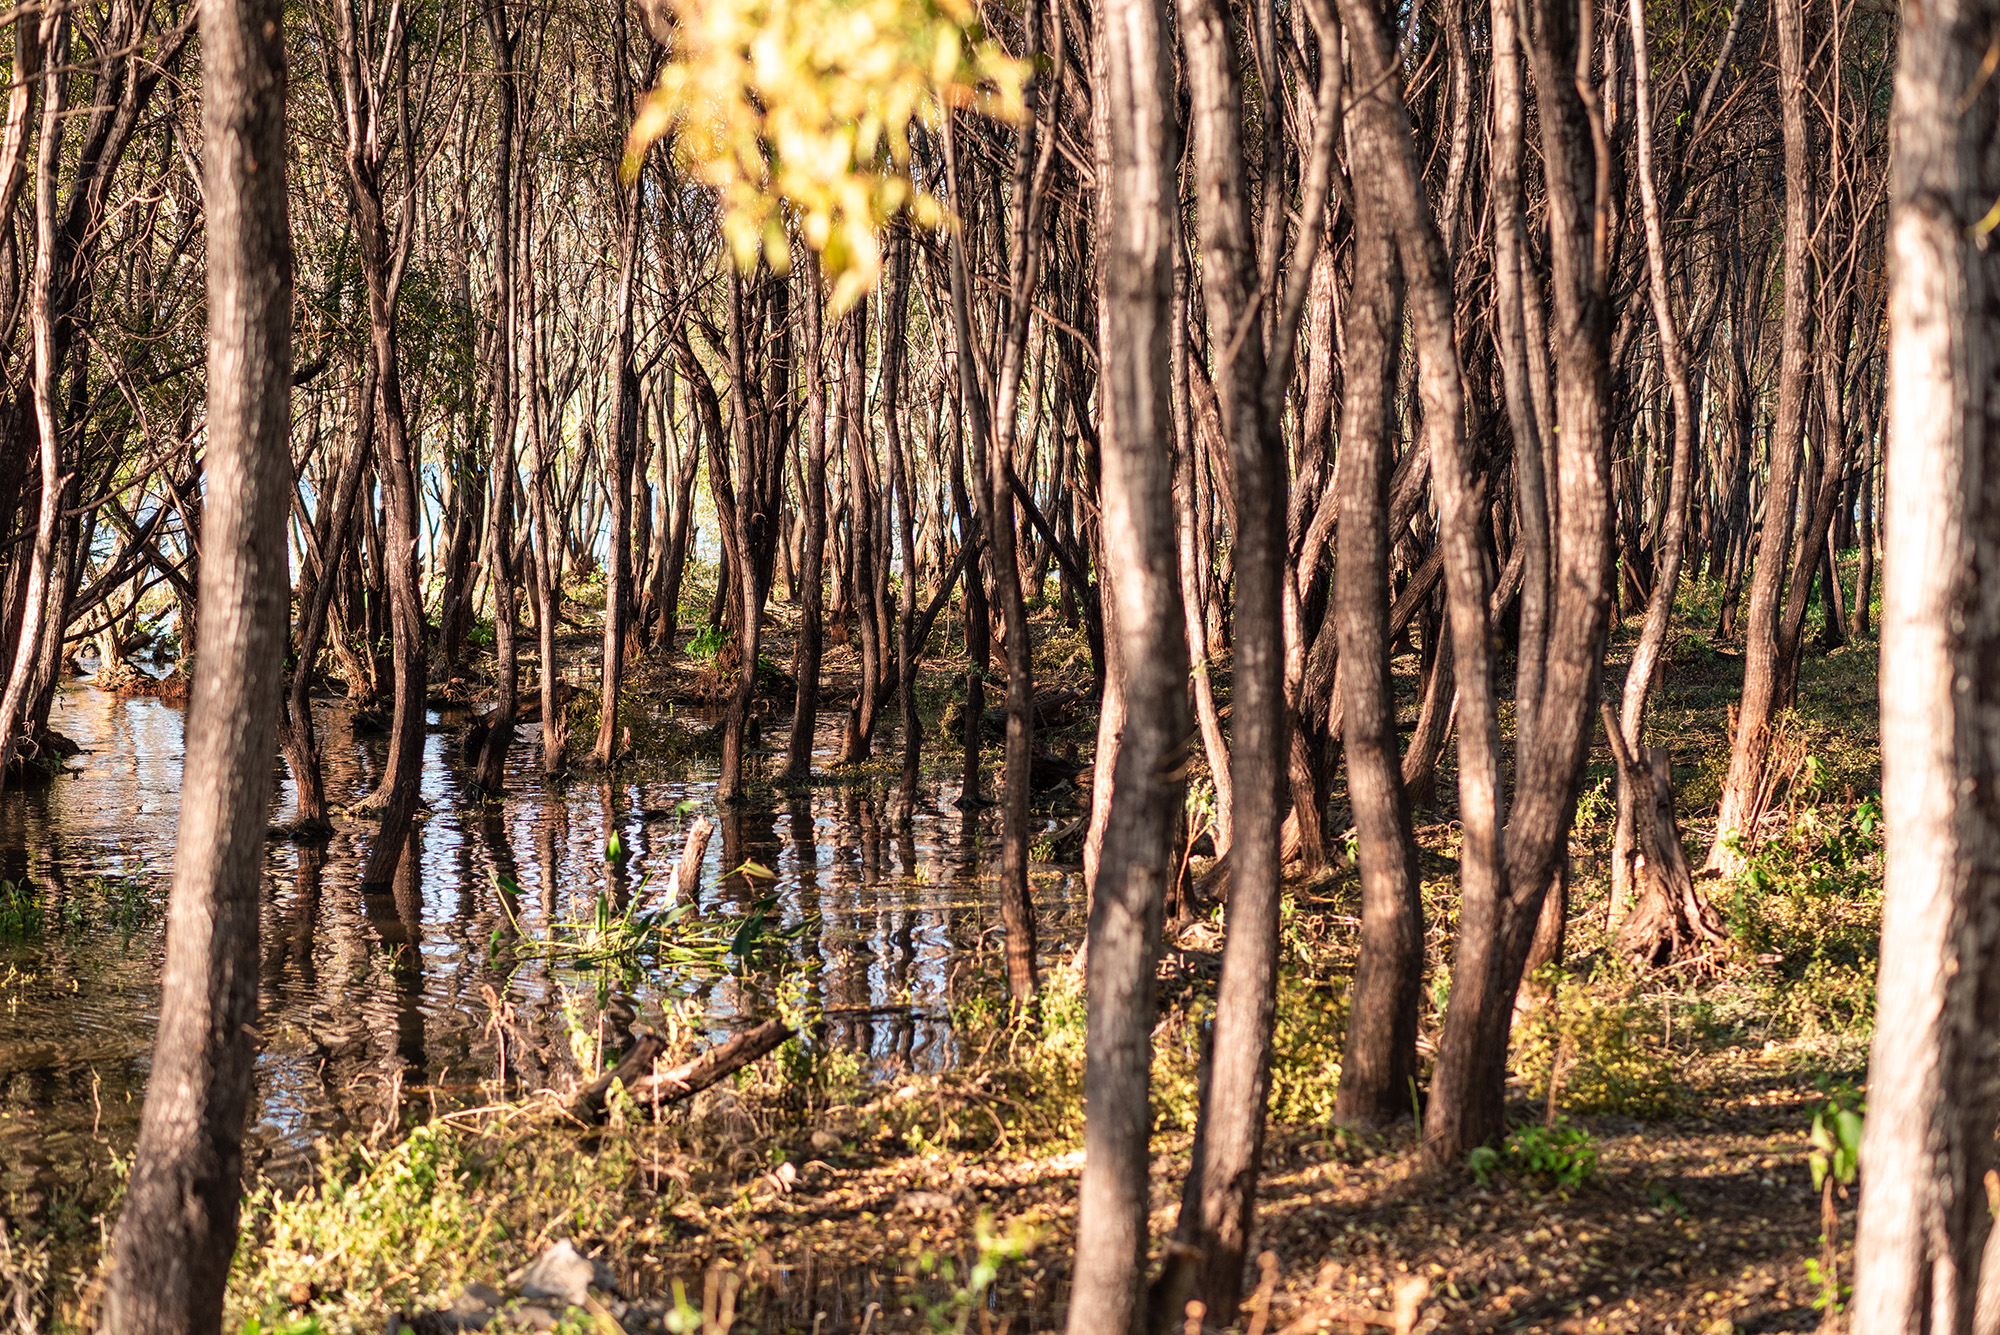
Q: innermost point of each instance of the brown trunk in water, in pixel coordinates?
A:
(351, 69)
(862, 498)
(175, 1237)
(812, 574)
(995, 516)
(748, 588)
(1926, 1253)
(621, 456)
(295, 727)
(500, 511)
(895, 296)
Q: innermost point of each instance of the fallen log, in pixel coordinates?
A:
(648, 1086)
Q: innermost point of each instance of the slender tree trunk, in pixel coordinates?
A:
(42, 374)
(895, 297)
(1378, 1070)
(988, 472)
(1220, 1199)
(812, 574)
(748, 589)
(862, 501)
(500, 511)
(1635, 806)
(620, 459)
(174, 1240)
(295, 729)
(1763, 665)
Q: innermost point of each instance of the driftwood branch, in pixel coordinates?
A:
(637, 1070)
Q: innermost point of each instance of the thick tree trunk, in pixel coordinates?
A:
(1138, 859)
(177, 1233)
(1505, 883)
(1924, 1256)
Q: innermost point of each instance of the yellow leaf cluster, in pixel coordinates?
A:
(806, 105)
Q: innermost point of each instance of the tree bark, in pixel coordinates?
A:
(1138, 860)
(1763, 659)
(1923, 1259)
(174, 1240)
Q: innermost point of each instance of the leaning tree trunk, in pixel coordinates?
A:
(1926, 1256)
(1674, 917)
(171, 1252)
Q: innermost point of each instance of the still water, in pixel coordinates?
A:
(428, 992)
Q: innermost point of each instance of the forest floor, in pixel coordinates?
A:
(1661, 1186)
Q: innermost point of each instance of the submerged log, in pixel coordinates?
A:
(638, 1070)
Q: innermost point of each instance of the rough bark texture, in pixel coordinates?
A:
(1933, 1085)
(174, 1241)
(1138, 860)
(1220, 1200)
(1764, 671)
(1378, 1069)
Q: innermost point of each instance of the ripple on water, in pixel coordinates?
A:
(369, 998)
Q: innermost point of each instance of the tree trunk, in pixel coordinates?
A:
(1138, 860)
(1923, 1255)
(1218, 1205)
(620, 459)
(500, 512)
(812, 575)
(174, 1240)
(1378, 1070)
(1763, 666)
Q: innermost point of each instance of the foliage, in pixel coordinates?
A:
(707, 643)
(1600, 1046)
(1808, 906)
(808, 103)
(1835, 1161)
(121, 903)
(1560, 1154)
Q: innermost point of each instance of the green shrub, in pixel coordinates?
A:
(1605, 1053)
(1560, 1155)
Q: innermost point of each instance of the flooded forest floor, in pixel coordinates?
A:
(909, 1161)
